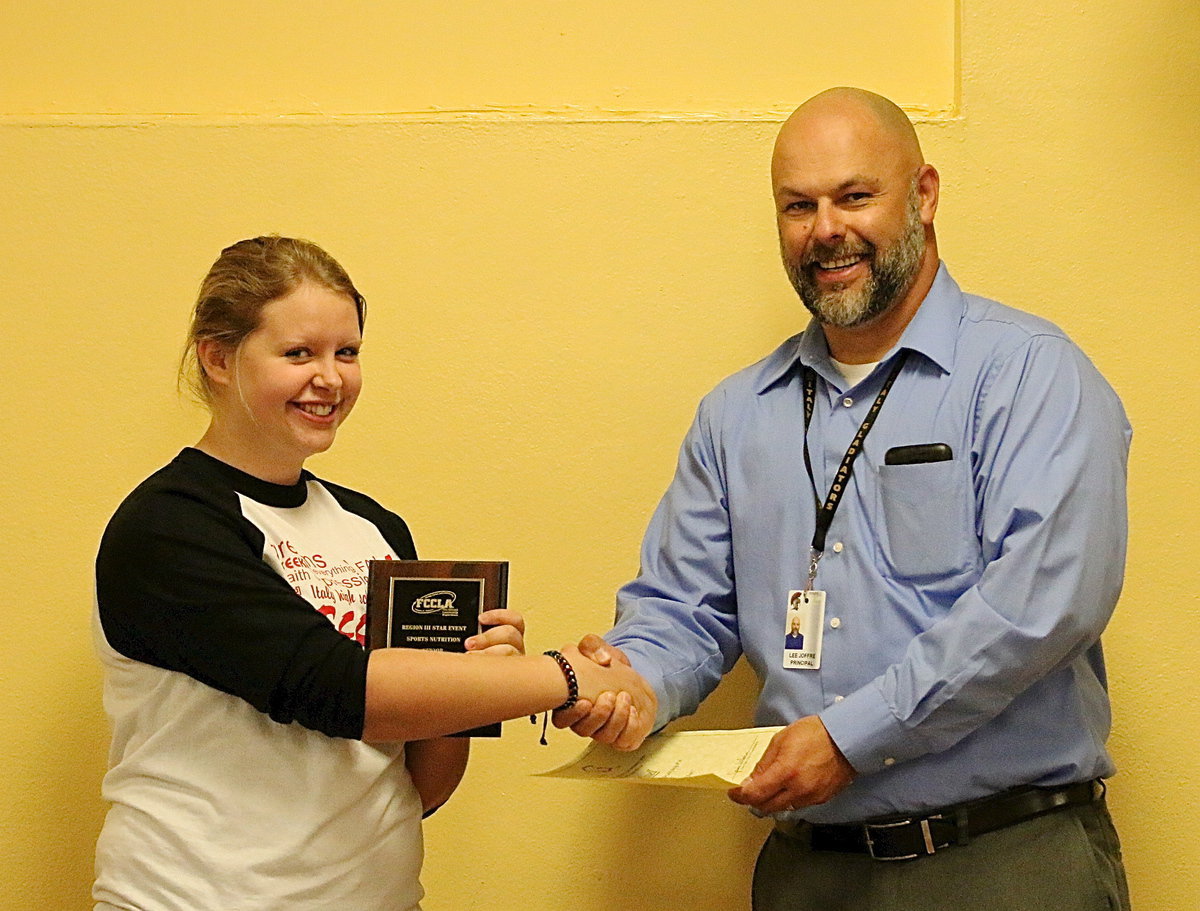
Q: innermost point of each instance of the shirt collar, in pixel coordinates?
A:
(932, 332)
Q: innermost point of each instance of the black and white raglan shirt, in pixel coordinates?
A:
(230, 622)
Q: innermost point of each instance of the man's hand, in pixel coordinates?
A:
(802, 766)
(606, 720)
(630, 703)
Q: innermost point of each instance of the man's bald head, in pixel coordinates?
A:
(875, 120)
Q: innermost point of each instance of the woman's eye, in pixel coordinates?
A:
(348, 353)
(296, 352)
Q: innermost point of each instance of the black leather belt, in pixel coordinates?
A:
(909, 837)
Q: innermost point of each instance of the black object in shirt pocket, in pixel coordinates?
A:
(920, 454)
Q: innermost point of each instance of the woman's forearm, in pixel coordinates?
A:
(416, 695)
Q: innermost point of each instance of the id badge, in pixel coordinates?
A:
(803, 625)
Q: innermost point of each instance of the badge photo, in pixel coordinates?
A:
(803, 623)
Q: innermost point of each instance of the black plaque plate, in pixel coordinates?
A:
(433, 604)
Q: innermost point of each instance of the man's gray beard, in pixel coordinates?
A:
(892, 274)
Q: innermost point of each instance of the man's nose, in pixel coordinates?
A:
(828, 225)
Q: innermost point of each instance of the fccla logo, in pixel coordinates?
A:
(436, 603)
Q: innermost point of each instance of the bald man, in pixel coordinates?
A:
(936, 482)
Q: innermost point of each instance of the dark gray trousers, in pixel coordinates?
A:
(1066, 861)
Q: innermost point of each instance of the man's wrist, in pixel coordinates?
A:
(866, 733)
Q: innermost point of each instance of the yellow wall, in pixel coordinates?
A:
(585, 57)
(563, 226)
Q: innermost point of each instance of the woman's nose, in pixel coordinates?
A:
(328, 376)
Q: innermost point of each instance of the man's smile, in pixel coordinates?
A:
(841, 268)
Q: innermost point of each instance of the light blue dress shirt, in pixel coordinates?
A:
(966, 598)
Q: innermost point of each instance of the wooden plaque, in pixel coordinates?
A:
(433, 604)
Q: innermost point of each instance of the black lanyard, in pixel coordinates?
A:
(842, 478)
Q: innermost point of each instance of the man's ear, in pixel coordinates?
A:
(928, 185)
(216, 360)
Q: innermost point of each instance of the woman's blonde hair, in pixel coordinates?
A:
(245, 278)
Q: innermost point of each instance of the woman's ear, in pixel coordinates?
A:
(216, 360)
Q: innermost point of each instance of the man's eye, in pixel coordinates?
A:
(348, 353)
(296, 352)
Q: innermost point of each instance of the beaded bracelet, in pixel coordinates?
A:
(572, 691)
(569, 673)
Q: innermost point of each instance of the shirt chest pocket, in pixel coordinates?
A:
(927, 518)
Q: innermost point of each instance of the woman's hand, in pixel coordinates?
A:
(503, 634)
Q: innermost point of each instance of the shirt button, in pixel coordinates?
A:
(847, 401)
(837, 547)
(889, 762)
(835, 622)
(838, 698)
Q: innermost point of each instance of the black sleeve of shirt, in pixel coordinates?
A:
(181, 584)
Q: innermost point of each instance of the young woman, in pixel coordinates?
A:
(260, 757)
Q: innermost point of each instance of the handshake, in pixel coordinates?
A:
(615, 706)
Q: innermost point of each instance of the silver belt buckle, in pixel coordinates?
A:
(930, 847)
